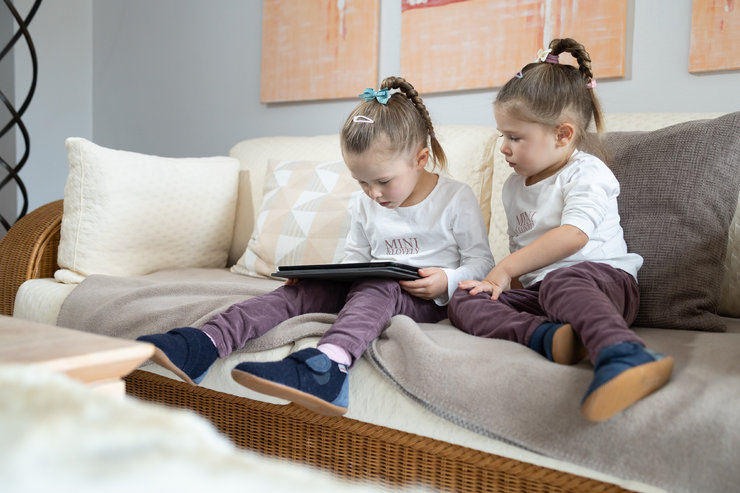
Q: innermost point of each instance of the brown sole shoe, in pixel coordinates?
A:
(264, 386)
(162, 360)
(567, 347)
(626, 388)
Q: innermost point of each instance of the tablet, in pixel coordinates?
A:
(349, 271)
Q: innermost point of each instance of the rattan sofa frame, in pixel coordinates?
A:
(349, 448)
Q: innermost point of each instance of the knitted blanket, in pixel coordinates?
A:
(685, 437)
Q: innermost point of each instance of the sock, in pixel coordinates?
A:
(336, 354)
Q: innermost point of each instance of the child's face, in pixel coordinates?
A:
(390, 179)
(533, 150)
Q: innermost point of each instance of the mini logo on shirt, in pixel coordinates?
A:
(524, 222)
(402, 246)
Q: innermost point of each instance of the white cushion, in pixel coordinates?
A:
(254, 155)
(128, 214)
(303, 218)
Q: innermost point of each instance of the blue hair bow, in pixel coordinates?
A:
(382, 96)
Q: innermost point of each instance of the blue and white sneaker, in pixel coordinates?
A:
(624, 373)
(307, 377)
(187, 352)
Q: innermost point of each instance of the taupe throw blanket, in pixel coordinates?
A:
(686, 437)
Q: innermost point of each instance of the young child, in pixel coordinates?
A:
(578, 282)
(384, 144)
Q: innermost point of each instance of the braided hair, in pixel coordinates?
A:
(547, 93)
(403, 120)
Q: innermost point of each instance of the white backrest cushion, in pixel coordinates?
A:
(128, 214)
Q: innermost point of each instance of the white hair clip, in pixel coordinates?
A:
(362, 119)
(542, 54)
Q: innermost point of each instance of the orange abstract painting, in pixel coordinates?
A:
(318, 49)
(715, 36)
(451, 45)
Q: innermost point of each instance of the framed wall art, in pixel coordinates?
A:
(449, 45)
(715, 36)
(318, 49)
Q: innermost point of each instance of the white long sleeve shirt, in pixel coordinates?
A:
(445, 230)
(583, 194)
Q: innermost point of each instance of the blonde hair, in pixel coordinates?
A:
(403, 120)
(546, 92)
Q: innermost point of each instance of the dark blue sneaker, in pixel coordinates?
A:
(307, 377)
(624, 373)
(186, 352)
(558, 343)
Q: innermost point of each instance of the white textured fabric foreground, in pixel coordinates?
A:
(56, 435)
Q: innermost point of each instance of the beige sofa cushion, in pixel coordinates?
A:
(127, 214)
(303, 218)
(254, 155)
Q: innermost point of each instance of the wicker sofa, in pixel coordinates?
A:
(396, 432)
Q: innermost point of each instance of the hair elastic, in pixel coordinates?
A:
(591, 84)
(519, 75)
(362, 119)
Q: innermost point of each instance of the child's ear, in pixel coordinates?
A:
(422, 157)
(565, 134)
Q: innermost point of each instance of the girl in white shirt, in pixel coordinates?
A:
(577, 283)
(406, 214)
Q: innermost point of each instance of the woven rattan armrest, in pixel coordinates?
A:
(29, 251)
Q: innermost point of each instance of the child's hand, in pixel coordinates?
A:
(292, 281)
(495, 282)
(432, 285)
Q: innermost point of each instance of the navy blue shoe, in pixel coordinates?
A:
(624, 373)
(558, 343)
(307, 377)
(186, 352)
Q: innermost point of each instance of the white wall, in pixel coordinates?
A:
(181, 78)
(7, 142)
(61, 32)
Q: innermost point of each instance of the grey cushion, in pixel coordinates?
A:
(679, 192)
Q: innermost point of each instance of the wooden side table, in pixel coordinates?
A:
(99, 361)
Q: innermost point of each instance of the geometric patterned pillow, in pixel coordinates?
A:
(303, 218)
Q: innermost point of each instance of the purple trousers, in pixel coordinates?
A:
(599, 301)
(363, 307)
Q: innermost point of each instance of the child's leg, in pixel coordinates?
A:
(309, 377)
(230, 330)
(369, 307)
(601, 302)
(514, 316)
(190, 352)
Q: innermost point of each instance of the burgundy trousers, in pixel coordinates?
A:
(599, 301)
(364, 309)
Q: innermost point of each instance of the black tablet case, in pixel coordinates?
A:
(349, 271)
